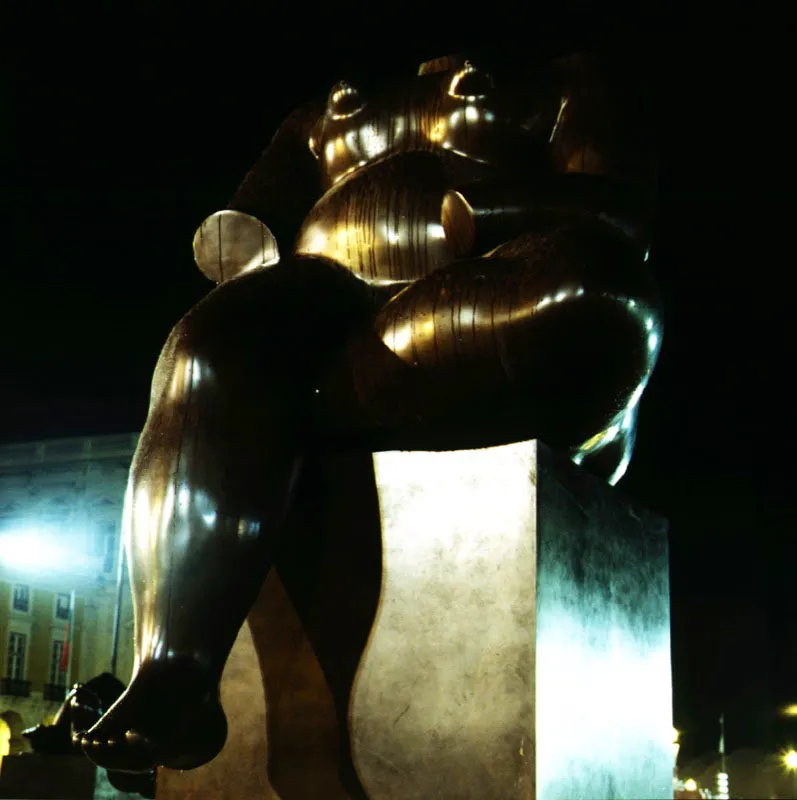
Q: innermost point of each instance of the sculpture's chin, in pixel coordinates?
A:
(170, 716)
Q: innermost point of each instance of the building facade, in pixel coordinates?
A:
(60, 532)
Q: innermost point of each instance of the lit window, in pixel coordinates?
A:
(16, 655)
(20, 598)
(57, 675)
(62, 606)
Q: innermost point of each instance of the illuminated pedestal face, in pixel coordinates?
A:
(519, 640)
(522, 637)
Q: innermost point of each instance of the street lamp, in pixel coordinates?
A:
(690, 784)
(790, 762)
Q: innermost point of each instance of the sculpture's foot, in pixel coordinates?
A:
(140, 783)
(49, 739)
(169, 716)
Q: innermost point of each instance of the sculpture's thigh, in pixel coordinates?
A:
(224, 439)
(550, 338)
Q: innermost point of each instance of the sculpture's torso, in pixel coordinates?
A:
(387, 165)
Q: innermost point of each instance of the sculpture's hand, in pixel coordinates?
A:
(229, 243)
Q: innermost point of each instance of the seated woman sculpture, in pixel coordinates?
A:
(453, 262)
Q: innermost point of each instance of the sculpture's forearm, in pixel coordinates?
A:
(284, 182)
(485, 214)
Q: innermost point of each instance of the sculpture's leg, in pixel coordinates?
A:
(554, 336)
(210, 484)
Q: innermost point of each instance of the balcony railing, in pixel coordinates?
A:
(15, 688)
(53, 691)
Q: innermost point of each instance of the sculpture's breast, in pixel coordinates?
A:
(382, 223)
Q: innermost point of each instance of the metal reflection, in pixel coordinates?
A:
(453, 262)
(229, 243)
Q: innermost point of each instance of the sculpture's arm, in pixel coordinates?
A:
(596, 127)
(285, 181)
(485, 214)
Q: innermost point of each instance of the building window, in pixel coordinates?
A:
(20, 598)
(16, 655)
(57, 675)
(62, 606)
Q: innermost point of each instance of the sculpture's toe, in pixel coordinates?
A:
(129, 752)
(169, 716)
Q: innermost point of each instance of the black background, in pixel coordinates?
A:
(122, 132)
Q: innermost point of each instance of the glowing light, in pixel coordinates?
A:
(392, 236)
(544, 301)
(435, 231)
(563, 295)
(329, 151)
(647, 254)
(39, 551)
(209, 519)
(5, 738)
(722, 786)
(653, 341)
(472, 114)
(489, 116)
(790, 759)
(649, 323)
(690, 784)
(790, 711)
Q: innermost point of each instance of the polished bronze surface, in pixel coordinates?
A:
(452, 262)
(229, 243)
(83, 706)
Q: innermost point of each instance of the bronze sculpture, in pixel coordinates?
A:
(451, 263)
(84, 704)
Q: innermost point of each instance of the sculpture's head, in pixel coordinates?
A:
(452, 106)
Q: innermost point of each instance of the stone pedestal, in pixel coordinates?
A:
(36, 777)
(519, 641)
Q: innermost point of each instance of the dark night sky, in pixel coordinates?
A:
(118, 145)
